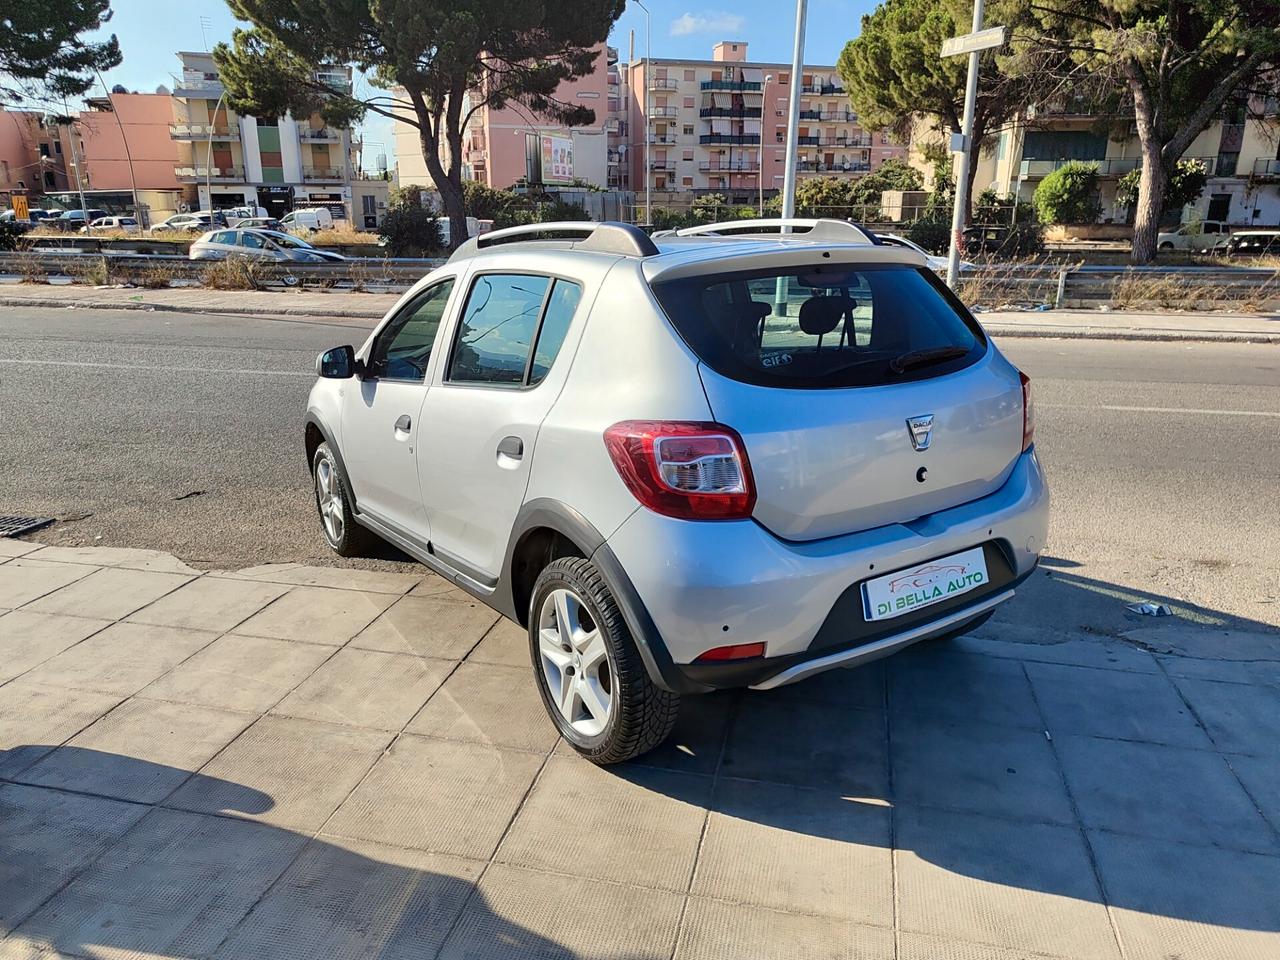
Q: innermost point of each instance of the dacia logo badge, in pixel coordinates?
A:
(921, 431)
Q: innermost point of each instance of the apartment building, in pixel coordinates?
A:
(31, 158)
(720, 126)
(277, 163)
(502, 146)
(618, 122)
(1242, 158)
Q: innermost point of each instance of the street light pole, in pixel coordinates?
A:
(764, 112)
(208, 153)
(648, 130)
(966, 145)
(133, 181)
(793, 115)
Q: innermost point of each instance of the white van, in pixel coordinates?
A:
(312, 218)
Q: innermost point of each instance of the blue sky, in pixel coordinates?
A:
(151, 31)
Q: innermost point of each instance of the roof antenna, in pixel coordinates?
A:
(205, 25)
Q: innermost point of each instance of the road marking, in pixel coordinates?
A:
(1203, 411)
(152, 368)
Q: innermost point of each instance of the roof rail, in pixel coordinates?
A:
(833, 231)
(607, 237)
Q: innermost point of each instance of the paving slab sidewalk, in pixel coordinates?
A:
(361, 309)
(293, 762)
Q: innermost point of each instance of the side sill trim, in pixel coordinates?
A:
(423, 554)
(881, 648)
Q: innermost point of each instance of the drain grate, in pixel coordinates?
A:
(15, 526)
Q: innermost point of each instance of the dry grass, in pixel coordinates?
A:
(994, 285)
(235, 273)
(30, 270)
(1189, 292)
(157, 276)
(339, 235)
(93, 271)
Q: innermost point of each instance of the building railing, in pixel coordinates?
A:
(816, 166)
(824, 89)
(323, 135)
(1112, 167)
(1262, 167)
(744, 166)
(201, 131)
(614, 156)
(197, 89)
(199, 174)
(810, 114)
(744, 111)
(742, 86)
(662, 138)
(662, 83)
(657, 112)
(840, 116)
(662, 166)
(854, 142)
(741, 139)
(313, 174)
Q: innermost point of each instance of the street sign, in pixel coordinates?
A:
(974, 42)
(20, 209)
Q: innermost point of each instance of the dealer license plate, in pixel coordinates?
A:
(924, 584)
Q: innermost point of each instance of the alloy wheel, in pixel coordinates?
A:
(575, 663)
(329, 500)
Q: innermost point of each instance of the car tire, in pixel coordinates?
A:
(1166, 246)
(589, 658)
(344, 535)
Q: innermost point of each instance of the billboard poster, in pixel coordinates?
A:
(557, 159)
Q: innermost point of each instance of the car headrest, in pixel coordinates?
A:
(820, 315)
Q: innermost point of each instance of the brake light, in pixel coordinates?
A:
(739, 651)
(1028, 413)
(691, 471)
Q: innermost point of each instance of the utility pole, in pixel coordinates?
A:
(764, 112)
(793, 115)
(208, 154)
(648, 130)
(75, 162)
(962, 143)
(133, 181)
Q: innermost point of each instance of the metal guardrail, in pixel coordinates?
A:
(390, 273)
(1091, 286)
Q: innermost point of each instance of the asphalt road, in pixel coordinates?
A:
(182, 433)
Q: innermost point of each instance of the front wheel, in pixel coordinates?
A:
(333, 500)
(588, 669)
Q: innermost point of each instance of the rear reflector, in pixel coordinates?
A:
(691, 471)
(740, 651)
(1028, 413)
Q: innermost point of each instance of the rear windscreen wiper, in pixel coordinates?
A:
(924, 358)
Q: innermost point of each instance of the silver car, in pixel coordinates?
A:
(258, 245)
(724, 458)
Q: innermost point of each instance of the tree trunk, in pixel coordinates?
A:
(1146, 218)
(449, 186)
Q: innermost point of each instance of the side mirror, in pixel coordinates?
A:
(337, 364)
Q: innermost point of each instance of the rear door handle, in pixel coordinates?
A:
(512, 447)
(404, 423)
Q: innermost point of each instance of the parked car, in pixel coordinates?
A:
(310, 218)
(235, 215)
(258, 245)
(72, 220)
(125, 224)
(189, 223)
(257, 223)
(686, 464)
(1253, 243)
(935, 262)
(1199, 236)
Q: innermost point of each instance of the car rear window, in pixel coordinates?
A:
(826, 326)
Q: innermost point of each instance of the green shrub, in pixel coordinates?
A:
(410, 231)
(932, 233)
(10, 234)
(1069, 194)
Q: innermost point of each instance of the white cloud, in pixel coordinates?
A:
(709, 21)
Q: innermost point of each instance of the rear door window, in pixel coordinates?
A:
(829, 325)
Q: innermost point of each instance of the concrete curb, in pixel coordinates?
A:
(302, 314)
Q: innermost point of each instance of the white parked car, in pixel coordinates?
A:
(186, 223)
(258, 245)
(311, 218)
(125, 224)
(724, 458)
(1199, 236)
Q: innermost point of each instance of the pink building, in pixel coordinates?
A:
(145, 119)
(720, 126)
(494, 141)
(31, 160)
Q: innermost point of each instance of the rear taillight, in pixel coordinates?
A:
(738, 651)
(1028, 413)
(692, 471)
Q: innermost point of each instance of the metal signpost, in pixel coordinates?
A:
(973, 44)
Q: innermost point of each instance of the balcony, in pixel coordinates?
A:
(214, 174)
(744, 166)
(850, 142)
(805, 141)
(658, 113)
(816, 166)
(839, 116)
(1263, 167)
(734, 139)
(739, 86)
(753, 112)
(195, 89)
(810, 114)
(662, 83)
(662, 166)
(323, 135)
(662, 138)
(203, 131)
(822, 89)
(321, 175)
(1115, 167)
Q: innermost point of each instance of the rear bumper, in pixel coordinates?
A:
(702, 585)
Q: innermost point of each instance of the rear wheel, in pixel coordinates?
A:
(333, 500)
(593, 683)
